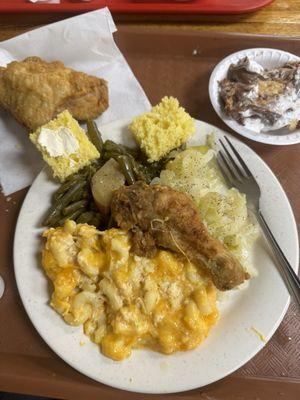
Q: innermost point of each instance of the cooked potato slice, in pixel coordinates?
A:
(107, 179)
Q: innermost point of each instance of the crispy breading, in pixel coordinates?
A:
(35, 91)
(161, 216)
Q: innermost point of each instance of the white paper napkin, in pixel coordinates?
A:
(85, 43)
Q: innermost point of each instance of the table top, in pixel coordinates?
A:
(27, 365)
(282, 17)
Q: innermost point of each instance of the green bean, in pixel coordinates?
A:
(125, 163)
(81, 194)
(92, 172)
(85, 217)
(96, 220)
(81, 204)
(74, 176)
(56, 196)
(107, 155)
(74, 190)
(55, 212)
(66, 185)
(61, 191)
(94, 135)
(72, 216)
(120, 148)
(86, 194)
(54, 215)
(93, 206)
(96, 164)
(113, 150)
(109, 145)
(84, 173)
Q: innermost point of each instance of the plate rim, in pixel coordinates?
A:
(258, 348)
(245, 132)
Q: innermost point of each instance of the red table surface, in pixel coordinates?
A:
(139, 6)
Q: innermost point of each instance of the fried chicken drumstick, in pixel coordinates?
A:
(35, 91)
(161, 216)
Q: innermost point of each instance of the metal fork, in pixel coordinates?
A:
(237, 174)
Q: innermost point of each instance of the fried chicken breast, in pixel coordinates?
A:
(161, 216)
(35, 91)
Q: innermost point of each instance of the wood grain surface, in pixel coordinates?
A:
(282, 17)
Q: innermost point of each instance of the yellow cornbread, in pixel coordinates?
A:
(164, 128)
(67, 164)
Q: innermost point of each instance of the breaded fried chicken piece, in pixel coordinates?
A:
(161, 216)
(35, 91)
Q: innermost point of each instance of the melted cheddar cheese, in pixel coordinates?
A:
(124, 301)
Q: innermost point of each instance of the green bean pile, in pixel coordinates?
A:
(74, 200)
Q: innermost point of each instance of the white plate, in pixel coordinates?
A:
(231, 342)
(268, 58)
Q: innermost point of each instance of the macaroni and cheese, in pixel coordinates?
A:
(125, 301)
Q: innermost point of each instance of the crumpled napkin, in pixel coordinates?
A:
(85, 43)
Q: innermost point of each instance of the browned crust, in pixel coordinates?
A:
(35, 91)
(170, 219)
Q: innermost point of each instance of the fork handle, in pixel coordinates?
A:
(287, 273)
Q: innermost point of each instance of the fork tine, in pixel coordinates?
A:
(235, 169)
(225, 172)
(229, 172)
(241, 161)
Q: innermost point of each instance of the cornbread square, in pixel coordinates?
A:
(70, 161)
(166, 127)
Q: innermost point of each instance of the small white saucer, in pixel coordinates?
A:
(268, 58)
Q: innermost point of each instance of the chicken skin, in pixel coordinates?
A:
(161, 216)
(35, 91)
